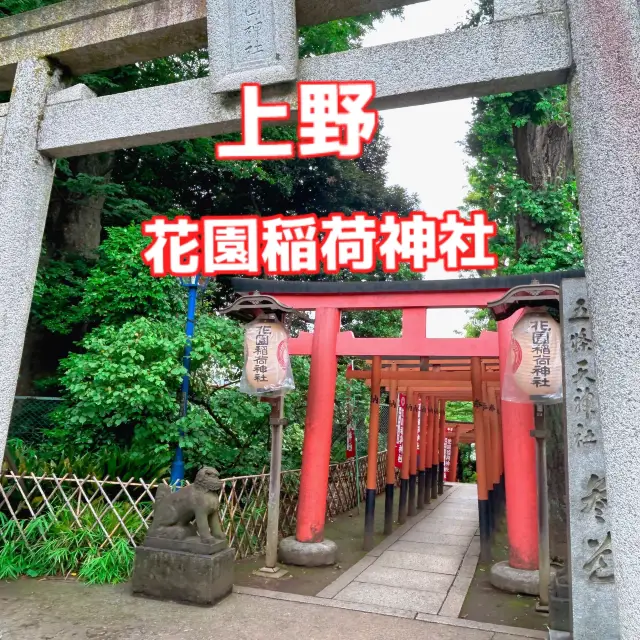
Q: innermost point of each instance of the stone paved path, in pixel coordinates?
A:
(412, 585)
(426, 566)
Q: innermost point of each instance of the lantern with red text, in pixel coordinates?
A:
(267, 367)
(534, 368)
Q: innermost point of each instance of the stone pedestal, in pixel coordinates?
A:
(307, 554)
(512, 580)
(182, 576)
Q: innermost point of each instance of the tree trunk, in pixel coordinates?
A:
(544, 155)
(73, 228)
(73, 224)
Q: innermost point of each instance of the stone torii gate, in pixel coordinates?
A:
(594, 45)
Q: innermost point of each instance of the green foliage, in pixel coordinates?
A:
(479, 321)
(120, 286)
(512, 202)
(468, 463)
(116, 462)
(459, 412)
(111, 565)
(339, 35)
(57, 294)
(124, 381)
(11, 7)
(120, 382)
(67, 549)
(497, 188)
(480, 14)
(463, 412)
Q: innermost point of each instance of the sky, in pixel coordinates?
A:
(426, 156)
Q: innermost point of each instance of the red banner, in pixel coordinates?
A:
(400, 418)
(351, 443)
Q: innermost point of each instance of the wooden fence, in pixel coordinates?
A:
(123, 509)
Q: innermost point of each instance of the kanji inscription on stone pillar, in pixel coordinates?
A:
(251, 41)
(593, 587)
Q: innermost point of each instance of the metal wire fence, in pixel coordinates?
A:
(339, 436)
(30, 416)
(123, 509)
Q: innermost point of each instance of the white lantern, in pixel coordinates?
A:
(267, 367)
(534, 372)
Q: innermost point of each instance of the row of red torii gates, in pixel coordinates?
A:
(430, 370)
(428, 384)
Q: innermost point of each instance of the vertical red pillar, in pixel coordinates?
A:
(316, 451)
(482, 472)
(412, 446)
(519, 467)
(453, 461)
(435, 466)
(428, 449)
(391, 454)
(406, 459)
(372, 457)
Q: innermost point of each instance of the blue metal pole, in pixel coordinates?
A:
(177, 467)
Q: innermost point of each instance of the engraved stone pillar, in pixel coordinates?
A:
(605, 94)
(251, 41)
(593, 590)
(25, 187)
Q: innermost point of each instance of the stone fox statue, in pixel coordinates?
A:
(192, 509)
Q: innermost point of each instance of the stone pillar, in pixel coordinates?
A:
(593, 588)
(604, 100)
(252, 42)
(26, 178)
(309, 548)
(510, 9)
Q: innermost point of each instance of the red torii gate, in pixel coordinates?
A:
(326, 343)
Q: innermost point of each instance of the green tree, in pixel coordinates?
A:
(118, 333)
(523, 176)
(460, 412)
